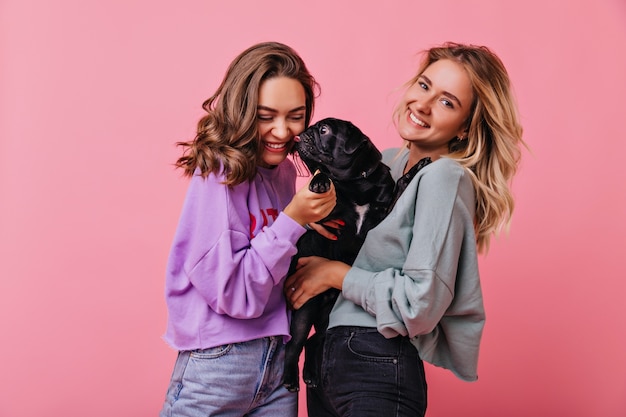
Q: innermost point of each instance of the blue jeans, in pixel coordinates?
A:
(364, 374)
(235, 380)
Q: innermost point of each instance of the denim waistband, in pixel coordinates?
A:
(352, 329)
(360, 329)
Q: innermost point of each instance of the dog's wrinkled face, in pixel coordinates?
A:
(337, 148)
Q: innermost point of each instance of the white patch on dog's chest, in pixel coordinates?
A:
(361, 211)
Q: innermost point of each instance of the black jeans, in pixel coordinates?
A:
(364, 374)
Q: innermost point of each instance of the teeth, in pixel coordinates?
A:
(275, 145)
(416, 120)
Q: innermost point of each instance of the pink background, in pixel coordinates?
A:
(93, 95)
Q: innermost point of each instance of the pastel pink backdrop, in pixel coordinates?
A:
(93, 95)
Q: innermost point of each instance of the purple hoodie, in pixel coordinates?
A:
(228, 262)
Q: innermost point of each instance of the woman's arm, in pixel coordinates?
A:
(214, 255)
(412, 297)
(409, 299)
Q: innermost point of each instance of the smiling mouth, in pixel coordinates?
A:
(275, 146)
(417, 121)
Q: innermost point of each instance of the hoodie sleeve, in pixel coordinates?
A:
(214, 255)
(411, 299)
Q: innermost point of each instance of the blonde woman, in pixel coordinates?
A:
(413, 293)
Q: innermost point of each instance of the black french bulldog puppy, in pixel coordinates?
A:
(347, 157)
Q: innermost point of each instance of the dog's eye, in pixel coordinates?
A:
(324, 129)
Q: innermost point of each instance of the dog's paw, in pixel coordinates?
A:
(291, 387)
(320, 183)
(290, 379)
(310, 378)
(311, 383)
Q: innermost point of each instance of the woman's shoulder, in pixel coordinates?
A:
(445, 173)
(446, 166)
(395, 159)
(391, 154)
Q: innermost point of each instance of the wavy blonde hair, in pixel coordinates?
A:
(228, 133)
(492, 150)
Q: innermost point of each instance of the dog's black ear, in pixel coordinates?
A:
(353, 145)
(357, 137)
(365, 160)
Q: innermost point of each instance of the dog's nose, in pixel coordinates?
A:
(296, 138)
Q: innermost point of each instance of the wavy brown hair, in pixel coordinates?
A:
(227, 135)
(492, 150)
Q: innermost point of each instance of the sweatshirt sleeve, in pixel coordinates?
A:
(412, 299)
(214, 255)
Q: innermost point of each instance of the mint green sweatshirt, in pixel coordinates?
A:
(417, 272)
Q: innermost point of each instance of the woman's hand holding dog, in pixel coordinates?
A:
(333, 224)
(308, 207)
(313, 276)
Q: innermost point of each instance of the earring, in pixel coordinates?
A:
(457, 144)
